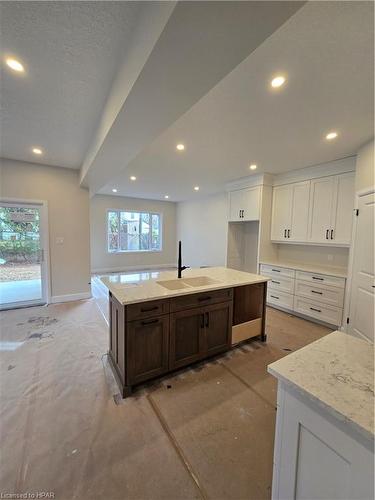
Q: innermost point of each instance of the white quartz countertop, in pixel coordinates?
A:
(337, 373)
(144, 286)
(339, 272)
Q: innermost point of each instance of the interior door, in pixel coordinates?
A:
(343, 209)
(362, 302)
(322, 194)
(300, 211)
(281, 212)
(22, 260)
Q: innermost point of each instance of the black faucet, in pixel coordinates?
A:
(180, 266)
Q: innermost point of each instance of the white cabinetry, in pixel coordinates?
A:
(290, 212)
(316, 212)
(244, 204)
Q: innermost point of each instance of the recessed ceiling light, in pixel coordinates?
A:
(114, 190)
(278, 81)
(253, 167)
(331, 135)
(37, 151)
(166, 197)
(196, 188)
(133, 178)
(180, 147)
(14, 65)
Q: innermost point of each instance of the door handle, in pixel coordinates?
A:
(327, 233)
(202, 320)
(207, 319)
(243, 212)
(284, 233)
(288, 233)
(239, 214)
(331, 234)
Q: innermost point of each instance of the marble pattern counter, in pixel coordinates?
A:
(143, 286)
(337, 373)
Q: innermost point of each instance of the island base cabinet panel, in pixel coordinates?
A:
(117, 336)
(218, 327)
(317, 456)
(147, 349)
(186, 337)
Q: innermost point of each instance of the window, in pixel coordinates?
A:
(133, 231)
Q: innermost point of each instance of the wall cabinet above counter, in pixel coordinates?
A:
(244, 204)
(317, 211)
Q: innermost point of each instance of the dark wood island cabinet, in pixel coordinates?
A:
(152, 338)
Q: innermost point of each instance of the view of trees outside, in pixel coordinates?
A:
(133, 231)
(19, 243)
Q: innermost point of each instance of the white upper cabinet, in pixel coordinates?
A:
(244, 204)
(331, 209)
(290, 212)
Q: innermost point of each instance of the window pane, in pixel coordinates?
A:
(113, 232)
(144, 232)
(155, 240)
(129, 237)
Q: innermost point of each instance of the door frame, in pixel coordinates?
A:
(349, 283)
(45, 269)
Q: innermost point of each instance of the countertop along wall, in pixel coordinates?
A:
(102, 261)
(68, 217)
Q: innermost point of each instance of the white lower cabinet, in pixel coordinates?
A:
(315, 457)
(315, 295)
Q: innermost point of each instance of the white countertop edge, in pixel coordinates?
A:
(368, 435)
(310, 268)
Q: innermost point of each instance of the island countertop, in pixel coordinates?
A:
(144, 286)
(337, 373)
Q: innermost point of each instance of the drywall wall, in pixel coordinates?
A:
(103, 261)
(365, 168)
(202, 227)
(68, 218)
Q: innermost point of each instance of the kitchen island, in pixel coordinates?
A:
(159, 323)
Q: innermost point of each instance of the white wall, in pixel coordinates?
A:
(202, 227)
(103, 261)
(68, 217)
(365, 168)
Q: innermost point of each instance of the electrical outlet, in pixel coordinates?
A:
(59, 240)
(330, 257)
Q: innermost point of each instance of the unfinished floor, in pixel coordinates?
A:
(206, 432)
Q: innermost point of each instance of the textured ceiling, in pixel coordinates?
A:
(326, 49)
(71, 52)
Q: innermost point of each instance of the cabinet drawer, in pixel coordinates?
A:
(200, 299)
(331, 295)
(147, 309)
(282, 284)
(321, 278)
(326, 313)
(269, 270)
(280, 299)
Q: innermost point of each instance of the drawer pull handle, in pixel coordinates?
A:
(315, 278)
(274, 297)
(314, 291)
(317, 310)
(149, 309)
(150, 322)
(276, 270)
(277, 282)
(202, 299)
(327, 234)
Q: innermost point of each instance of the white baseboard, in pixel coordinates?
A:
(132, 268)
(70, 297)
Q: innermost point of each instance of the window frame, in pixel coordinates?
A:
(132, 210)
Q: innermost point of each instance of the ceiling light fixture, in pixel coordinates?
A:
(114, 190)
(14, 65)
(180, 147)
(133, 178)
(278, 81)
(331, 135)
(253, 167)
(37, 151)
(166, 197)
(196, 188)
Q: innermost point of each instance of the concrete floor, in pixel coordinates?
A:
(206, 432)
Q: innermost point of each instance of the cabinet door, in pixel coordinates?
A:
(251, 203)
(147, 348)
(218, 327)
(281, 212)
(321, 203)
(186, 337)
(342, 217)
(300, 211)
(235, 205)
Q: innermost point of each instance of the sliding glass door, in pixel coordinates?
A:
(22, 266)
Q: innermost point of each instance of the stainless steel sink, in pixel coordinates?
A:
(180, 284)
